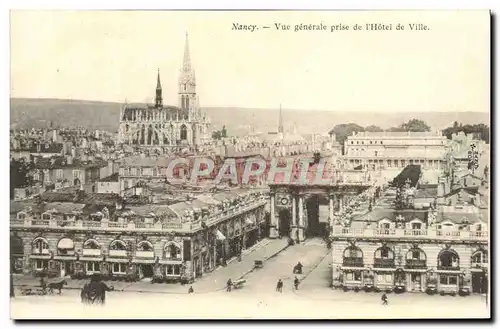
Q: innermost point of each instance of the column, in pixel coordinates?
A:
(293, 233)
(273, 233)
(331, 210)
(341, 202)
(301, 218)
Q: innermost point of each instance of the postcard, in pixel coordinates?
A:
(250, 164)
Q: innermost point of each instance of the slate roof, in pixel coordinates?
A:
(391, 214)
(62, 162)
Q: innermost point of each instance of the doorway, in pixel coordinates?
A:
(479, 283)
(285, 218)
(66, 268)
(415, 282)
(314, 228)
(147, 270)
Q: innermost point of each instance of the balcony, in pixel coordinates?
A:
(448, 267)
(118, 253)
(410, 234)
(416, 264)
(144, 254)
(135, 227)
(353, 262)
(384, 263)
(91, 252)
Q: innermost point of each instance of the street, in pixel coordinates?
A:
(258, 297)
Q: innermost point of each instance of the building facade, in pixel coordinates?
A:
(167, 128)
(171, 243)
(441, 249)
(393, 151)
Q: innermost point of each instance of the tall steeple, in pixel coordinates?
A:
(158, 98)
(280, 123)
(186, 65)
(187, 81)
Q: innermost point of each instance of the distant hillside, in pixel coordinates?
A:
(105, 115)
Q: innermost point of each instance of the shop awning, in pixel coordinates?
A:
(91, 259)
(170, 262)
(382, 269)
(415, 270)
(449, 272)
(65, 257)
(45, 256)
(66, 243)
(353, 268)
(143, 261)
(117, 260)
(220, 236)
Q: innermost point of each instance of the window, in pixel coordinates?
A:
(172, 251)
(384, 278)
(389, 163)
(447, 279)
(416, 226)
(21, 215)
(93, 267)
(133, 172)
(40, 264)
(173, 270)
(59, 174)
(384, 253)
(415, 254)
(76, 174)
(40, 246)
(119, 268)
(36, 177)
(353, 276)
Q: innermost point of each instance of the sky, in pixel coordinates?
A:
(115, 56)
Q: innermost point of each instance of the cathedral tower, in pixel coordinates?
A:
(187, 85)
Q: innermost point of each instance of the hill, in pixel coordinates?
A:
(26, 112)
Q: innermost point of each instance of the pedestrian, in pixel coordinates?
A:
(384, 300)
(229, 285)
(279, 286)
(191, 290)
(296, 283)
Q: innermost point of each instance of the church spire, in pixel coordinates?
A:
(158, 98)
(158, 83)
(280, 123)
(187, 59)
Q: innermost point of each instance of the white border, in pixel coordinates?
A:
(190, 4)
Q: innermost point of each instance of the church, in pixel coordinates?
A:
(163, 128)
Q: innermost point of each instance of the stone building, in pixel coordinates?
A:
(160, 128)
(433, 250)
(169, 243)
(393, 151)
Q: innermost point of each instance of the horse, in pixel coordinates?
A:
(58, 286)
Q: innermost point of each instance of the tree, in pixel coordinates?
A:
(481, 131)
(374, 128)
(342, 131)
(19, 170)
(414, 125)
